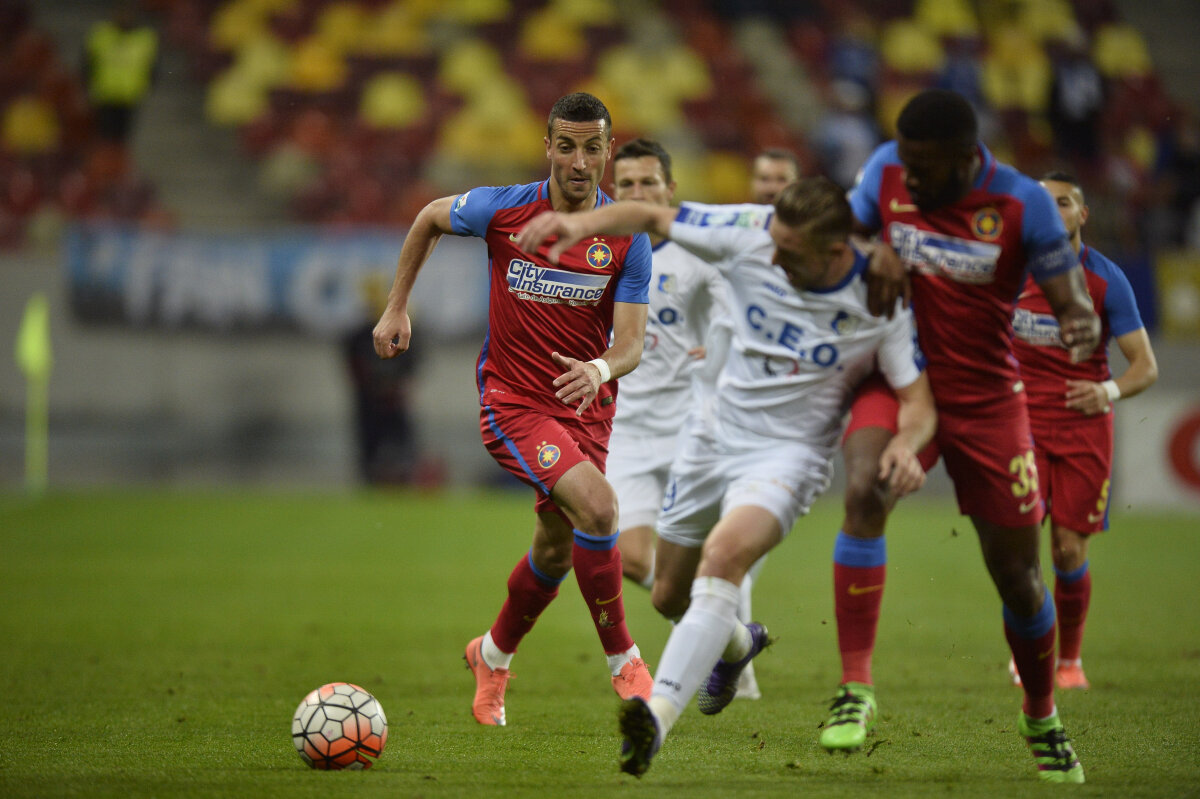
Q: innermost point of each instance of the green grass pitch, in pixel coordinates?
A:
(157, 644)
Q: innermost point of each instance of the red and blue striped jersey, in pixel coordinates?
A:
(968, 262)
(535, 307)
(1045, 363)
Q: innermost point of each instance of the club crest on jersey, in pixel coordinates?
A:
(844, 324)
(666, 283)
(599, 255)
(987, 224)
(547, 455)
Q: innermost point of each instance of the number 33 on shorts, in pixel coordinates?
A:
(1024, 467)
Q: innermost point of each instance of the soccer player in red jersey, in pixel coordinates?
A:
(1070, 410)
(967, 230)
(546, 391)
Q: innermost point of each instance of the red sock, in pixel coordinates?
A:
(528, 596)
(1035, 663)
(1071, 599)
(598, 572)
(857, 596)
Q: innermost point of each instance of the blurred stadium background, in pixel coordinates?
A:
(202, 278)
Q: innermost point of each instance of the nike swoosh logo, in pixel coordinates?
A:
(1046, 654)
(897, 207)
(1026, 507)
(854, 590)
(512, 236)
(1095, 517)
(608, 601)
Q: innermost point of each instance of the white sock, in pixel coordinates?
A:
(617, 662)
(744, 614)
(648, 581)
(492, 654)
(694, 647)
(739, 644)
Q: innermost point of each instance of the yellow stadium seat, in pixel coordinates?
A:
(587, 12)
(29, 126)
(398, 29)
(392, 100)
(908, 47)
(341, 25)
(316, 67)
(235, 23)
(947, 17)
(1016, 71)
(475, 12)
(234, 99)
(1120, 51)
(264, 60)
(467, 65)
(550, 36)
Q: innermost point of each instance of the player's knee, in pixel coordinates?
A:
(1020, 586)
(635, 565)
(597, 515)
(866, 501)
(1069, 552)
(669, 600)
(552, 558)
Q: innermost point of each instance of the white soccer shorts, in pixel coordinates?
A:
(638, 466)
(710, 477)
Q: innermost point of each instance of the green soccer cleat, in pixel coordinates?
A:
(1051, 749)
(852, 716)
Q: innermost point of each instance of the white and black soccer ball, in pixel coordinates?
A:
(339, 726)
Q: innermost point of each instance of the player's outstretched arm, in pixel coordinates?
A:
(1077, 318)
(394, 330)
(581, 380)
(916, 424)
(615, 219)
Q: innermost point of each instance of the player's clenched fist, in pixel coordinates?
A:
(392, 333)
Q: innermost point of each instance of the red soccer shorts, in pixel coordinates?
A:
(989, 456)
(1074, 462)
(876, 405)
(539, 448)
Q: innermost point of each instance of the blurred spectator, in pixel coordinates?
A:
(120, 63)
(773, 169)
(1179, 181)
(1076, 104)
(846, 135)
(384, 429)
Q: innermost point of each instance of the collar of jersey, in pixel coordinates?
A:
(860, 266)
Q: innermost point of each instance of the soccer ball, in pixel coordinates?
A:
(339, 726)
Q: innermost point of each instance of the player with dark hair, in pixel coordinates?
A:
(750, 467)
(546, 391)
(685, 292)
(772, 169)
(1070, 410)
(967, 228)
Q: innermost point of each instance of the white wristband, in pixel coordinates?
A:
(1111, 389)
(602, 365)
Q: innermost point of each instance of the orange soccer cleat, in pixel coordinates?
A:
(634, 680)
(1069, 675)
(488, 707)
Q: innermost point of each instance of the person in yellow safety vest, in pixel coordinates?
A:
(120, 65)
